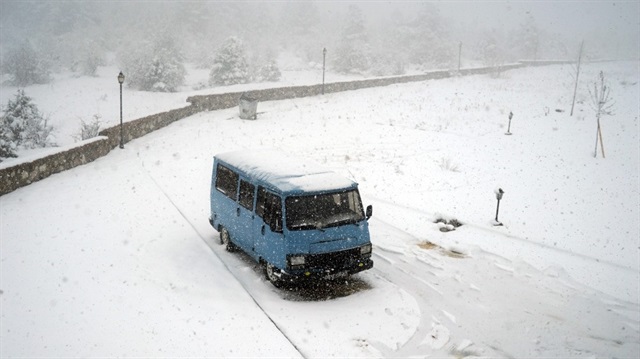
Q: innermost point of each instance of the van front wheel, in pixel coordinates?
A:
(225, 240)
(271, 273)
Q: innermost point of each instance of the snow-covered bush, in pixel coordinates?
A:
(156, 66)
(26, 66)
(447, 164)
(352, 58)
(493, 54)
(89, 57)
(269, 72)
(23, 125)
(386, 65)
(89, 129)
(203, 58)
(230, 64)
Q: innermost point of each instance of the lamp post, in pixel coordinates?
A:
(499, 193)
(121, 80)
(324, 57)
(459, 55)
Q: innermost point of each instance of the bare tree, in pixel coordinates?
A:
(602, 105)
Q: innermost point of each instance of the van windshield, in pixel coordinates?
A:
(324, 210)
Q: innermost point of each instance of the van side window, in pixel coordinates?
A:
(227, 182)
(260, 203)
(269, 207)
(246, 195)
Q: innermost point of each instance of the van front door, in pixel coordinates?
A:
(269, 239)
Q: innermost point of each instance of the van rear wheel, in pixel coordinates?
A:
(225, 240)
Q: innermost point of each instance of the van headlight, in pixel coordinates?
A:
(366, 249)
(296, 261)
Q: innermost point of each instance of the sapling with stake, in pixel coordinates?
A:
(602, 105)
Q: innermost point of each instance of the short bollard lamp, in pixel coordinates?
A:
(499, 192)
(121, 81)
(509, 127)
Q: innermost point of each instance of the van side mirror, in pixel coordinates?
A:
(369, 212)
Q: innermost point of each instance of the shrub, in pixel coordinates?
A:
(90, 129)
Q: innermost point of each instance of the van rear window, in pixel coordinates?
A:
(227, 182)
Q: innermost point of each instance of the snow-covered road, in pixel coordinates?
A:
(117, 258)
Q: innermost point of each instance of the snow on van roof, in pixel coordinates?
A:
(286, 172)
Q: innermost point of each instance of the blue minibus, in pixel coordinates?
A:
(297, 219)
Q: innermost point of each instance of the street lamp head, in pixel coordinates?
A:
(499, 193)
(120, 77)
(324, 51)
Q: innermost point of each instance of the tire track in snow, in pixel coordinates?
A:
(464, 307)
(511, 236)
(419, 279)
(203, 238)
(587, 271)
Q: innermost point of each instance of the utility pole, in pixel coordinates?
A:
(575, 89)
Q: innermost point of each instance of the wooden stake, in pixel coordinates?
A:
(600, 135)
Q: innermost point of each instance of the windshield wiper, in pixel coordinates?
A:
(308, 225)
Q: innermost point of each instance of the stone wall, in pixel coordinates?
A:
(23, 174)
(12, 178)
(229, 100)
(20, 175)
(142, 126)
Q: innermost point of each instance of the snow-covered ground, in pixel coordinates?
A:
(116, 258)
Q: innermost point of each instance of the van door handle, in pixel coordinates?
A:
(262, 230)
(238, 211)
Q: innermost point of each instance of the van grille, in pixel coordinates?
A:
(333, 260)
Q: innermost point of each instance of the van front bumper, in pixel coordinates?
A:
(326, 273)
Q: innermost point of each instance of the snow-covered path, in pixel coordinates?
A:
(116, 258)
(88, 271)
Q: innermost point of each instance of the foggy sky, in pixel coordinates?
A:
(609, 28)
(575, 20)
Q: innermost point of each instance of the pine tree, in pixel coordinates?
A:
(156, 66)
(7, 146)
(230, 64)
(300, 21)
(24, 125)
(353, 54)
(26, 66)
(525, 41)
(427, 40)
(492, 53)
